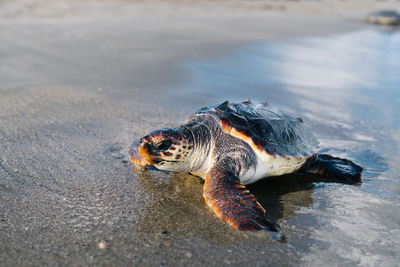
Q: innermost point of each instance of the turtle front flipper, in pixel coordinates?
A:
(233, 203)
(332, 169)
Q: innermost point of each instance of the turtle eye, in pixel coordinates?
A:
(163, 145)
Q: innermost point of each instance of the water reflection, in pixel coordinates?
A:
(346, 87)
(178, 207)
(313, 75)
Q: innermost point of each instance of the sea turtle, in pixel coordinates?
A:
(234, 144)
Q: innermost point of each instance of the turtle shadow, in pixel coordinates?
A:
(177, 207)
(280, 196)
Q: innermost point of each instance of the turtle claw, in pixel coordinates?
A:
(258, 225)
(277, 236)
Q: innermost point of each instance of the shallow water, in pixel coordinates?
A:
(347, 89)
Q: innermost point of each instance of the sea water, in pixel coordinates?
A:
(346, 87)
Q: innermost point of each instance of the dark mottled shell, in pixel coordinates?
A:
(276, 133)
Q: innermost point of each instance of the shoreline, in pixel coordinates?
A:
(350, 9)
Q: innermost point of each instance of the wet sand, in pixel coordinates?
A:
(345, 86)
(80, 82)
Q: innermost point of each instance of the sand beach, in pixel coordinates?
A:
(81, 80)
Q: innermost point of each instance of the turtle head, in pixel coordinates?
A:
(165, 149)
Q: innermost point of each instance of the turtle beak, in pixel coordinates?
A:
(139, 154)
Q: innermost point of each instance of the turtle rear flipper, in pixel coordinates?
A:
(233, 203)
(332, 169)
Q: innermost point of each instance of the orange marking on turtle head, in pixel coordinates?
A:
(148, 139)
(143, 151)
(155, 138)
(142, 156)
(140, 162)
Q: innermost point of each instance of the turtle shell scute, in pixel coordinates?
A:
(274, 132)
